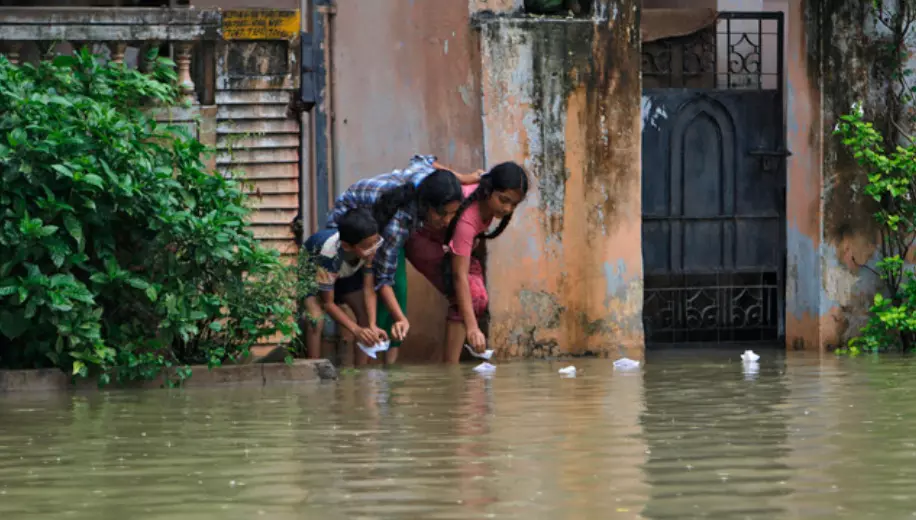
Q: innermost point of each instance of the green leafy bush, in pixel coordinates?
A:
(892, 186)
(119, 253)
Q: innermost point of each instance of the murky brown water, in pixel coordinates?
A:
(688, 436)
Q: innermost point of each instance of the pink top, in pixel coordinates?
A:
(469, 226)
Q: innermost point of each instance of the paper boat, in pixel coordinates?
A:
(486, 354)
(569, 371)
(374, 349)
(749, 355)
(626, 364)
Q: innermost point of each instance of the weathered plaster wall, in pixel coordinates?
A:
(406, 81)
(830, 228)
(803, 183)
(562, 97)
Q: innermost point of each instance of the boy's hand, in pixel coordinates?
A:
(366, 336)
(477, 340)
(399, 329)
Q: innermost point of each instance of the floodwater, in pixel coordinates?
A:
(690, 435)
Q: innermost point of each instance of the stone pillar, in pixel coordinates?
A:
(12, 52)
(562, 98)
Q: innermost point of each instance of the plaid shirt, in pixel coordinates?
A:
(364, 194)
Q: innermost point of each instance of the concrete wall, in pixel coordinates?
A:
(562, 97)
(803, 187)
(839, 65)
(831, 231)
(406, 81)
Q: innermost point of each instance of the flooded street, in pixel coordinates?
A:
(690, 435)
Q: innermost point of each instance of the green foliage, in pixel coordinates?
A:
(892, 186)
(120, 255)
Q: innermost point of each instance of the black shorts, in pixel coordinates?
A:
(344, 286)
(350, 284)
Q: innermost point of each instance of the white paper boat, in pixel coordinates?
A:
(626, 364)
(485, 368)
(486, 354)
(569, 371)
(374, 349)
(749, 355)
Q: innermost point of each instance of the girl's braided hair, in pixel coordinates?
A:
(502, 177)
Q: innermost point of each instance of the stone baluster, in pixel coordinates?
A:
(117, 50)
(183, 61)
(12, 52)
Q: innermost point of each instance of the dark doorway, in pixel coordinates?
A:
(713, 182)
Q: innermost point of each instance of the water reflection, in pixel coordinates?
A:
(717, 439)
(691, 435)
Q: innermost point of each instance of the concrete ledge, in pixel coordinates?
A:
(44, 380)
(259, 374)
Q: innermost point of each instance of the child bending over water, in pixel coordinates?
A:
(343, 261)
(454, 270)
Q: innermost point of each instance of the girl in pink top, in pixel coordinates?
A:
(454, 270)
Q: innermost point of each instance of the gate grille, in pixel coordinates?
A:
(739, 51)
(719, 307)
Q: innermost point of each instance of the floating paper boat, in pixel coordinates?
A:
(569, 371)
(626, 364)
(749, 355)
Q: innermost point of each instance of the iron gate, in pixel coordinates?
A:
(713, 190)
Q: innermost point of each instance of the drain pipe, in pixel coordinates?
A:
(306, 216)
(323, 113)
(316, 187)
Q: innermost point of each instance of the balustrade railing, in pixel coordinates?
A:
(123, 35)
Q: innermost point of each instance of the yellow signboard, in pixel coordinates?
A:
(260, 24)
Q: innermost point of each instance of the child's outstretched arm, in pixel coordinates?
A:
(364, 335)
(371, 301)
(460, 267)
(463, 178)
(385, 264)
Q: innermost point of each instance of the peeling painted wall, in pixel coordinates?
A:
(406, 81)
(831, 231)
(562, 97)
(850, 233)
